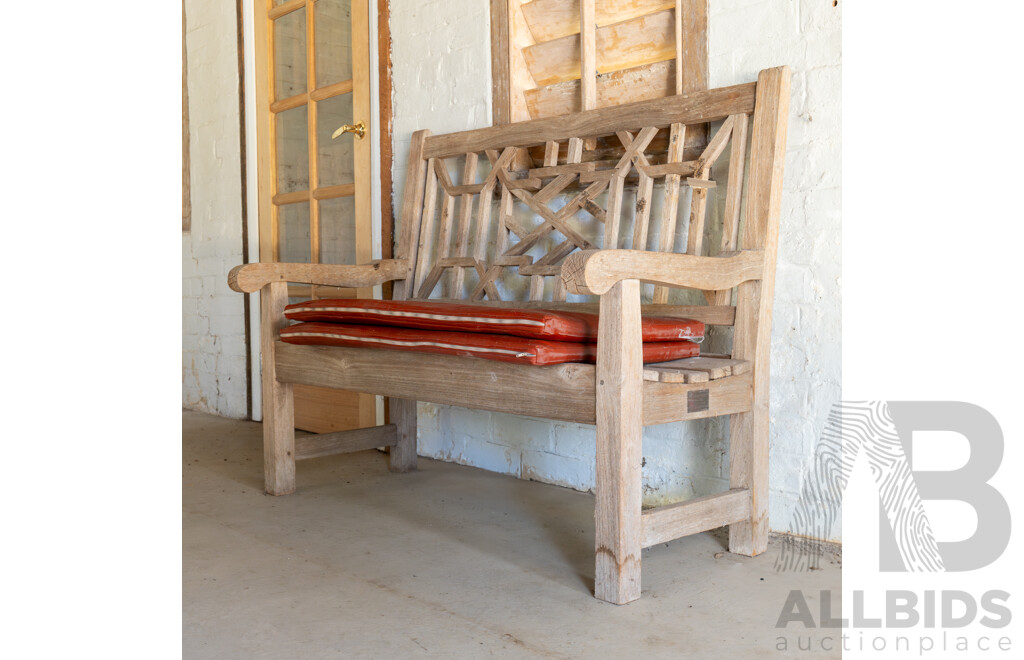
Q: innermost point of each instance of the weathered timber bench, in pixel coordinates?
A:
(496, 236)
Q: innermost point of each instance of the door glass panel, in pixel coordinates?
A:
(290, 54)
(292, 150)
(333, 41)
(337, 231)
(293, 232)
(335, 162)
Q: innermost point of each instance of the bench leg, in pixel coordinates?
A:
(748, 467)
(278, 399)
(619, 452)
(403, 454)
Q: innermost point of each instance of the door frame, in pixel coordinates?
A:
(380, 178)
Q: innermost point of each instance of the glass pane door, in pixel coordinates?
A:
(313, 77)
(314, 170)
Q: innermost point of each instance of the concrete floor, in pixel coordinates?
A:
(449, 561)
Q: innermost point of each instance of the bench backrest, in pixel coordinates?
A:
(490, 214)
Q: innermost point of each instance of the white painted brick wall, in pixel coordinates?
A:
(213, 333)
(441, 60)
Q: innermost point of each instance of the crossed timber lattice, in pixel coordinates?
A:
(527, 186)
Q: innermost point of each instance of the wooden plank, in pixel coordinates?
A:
(306, 291)
(343, 442)
(715, 147)
(588, 68)
(670, 402)
(698, 213)
(680, 170)
(561, 392)
(402, 457)
(695, 108)
(714, 367)
(680, 44)
(734, 195)
(630, 43)
(700, 514)
(465, 216)
(249, 278)
(617, 484)
(553, 19)
(588, 54)
(444, 246)
(693, 49)
(325, 410)
(642, 83)
(550, 163)
(501, 80)
(692, 65)
(733, 198)
(670, 207)
(595, 271)
(641, 217)
(706, 314)
(654, 373)
(427, 227)
(412, 213)
(701, 183)
(278, 397)
(748, 450)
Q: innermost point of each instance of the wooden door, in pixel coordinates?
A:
(313, 77)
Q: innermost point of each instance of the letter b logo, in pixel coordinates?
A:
(967, 484)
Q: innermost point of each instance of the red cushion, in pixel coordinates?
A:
(537, 323)
(506, 348)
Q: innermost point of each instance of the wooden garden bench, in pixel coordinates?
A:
(493, 234)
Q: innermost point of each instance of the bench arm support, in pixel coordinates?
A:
(249, 278)
(596, 271)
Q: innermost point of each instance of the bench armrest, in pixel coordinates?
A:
(252, 277)
(596, 271)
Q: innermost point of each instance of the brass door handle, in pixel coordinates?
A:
(359, 128)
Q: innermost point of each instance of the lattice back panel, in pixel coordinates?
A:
(496, 226)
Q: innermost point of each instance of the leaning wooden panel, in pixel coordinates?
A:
(641, 83)
(327, 409)
(622, 45)
(553, 19)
